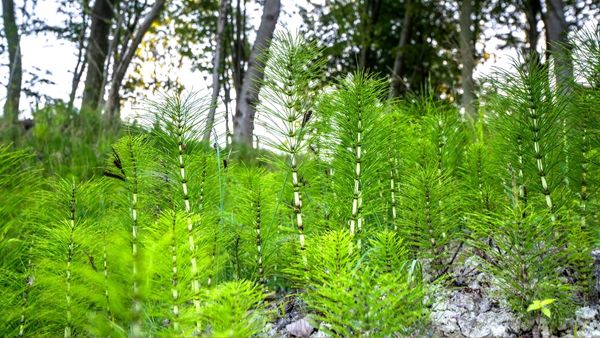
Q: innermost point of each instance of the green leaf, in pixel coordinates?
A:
(548, 301)
(536, 305)
(546, 312)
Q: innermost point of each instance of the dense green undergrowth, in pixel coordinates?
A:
(360, 206)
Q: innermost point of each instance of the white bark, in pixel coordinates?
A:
(243, 121)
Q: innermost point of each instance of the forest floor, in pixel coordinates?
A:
(468, 309)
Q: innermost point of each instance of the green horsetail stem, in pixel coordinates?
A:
(356, 217)
(397, 181)
(583, 194)
(429, 218)
(213, 251)
(440, 146)
(381, 176)
(259, 255)
(294, 145)
(70, 249)
(25, 300)
(393, 184)
(190, 225)
(393, 199)
(537, 152)
(105, 273)
(484, 200)
(565, 141)
(520, 173)
(136, 308)
(174, 278)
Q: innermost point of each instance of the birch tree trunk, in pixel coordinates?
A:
(557, 42)
(217, 56)
(111, 107)
(13, 88)
(467, 58)
(243, 121)
(97, 52)
(395, 87)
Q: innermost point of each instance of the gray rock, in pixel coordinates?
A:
(586, 313)
(300, 328)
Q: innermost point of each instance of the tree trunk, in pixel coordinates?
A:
(120, 68)
(13, 87)
(243, 122)
(467, 59)
(533, 8)
(238, 54)
(97, 52)
(369, 19)
(81, 64)
(217, 56)
(557, 42)
(396, 85)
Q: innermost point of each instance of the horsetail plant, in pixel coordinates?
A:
(587, 104)
(181, 117)
(532, 116)
(255, 229)
(65, 231)
(291, 72)
(357, 144)
(178, 240)
(19, 187)
(425, 222)
(131, 156)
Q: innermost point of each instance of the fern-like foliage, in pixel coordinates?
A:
(354, 298)
(20, 185)
(234, 309)
(290, 74)
(178, 238)
(427, 221)
(357, 147)
(255, 225)
(530, 120)
(64, 255)
(526, 259)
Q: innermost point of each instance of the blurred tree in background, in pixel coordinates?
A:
(126, 49)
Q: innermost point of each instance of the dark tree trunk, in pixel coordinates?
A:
(243, 122)
(120, 68)
(238, 41)
(397, 71)
(13, 88)
(533, 9)
(217, 57)
(370, 17)
(467, 58)
(97, 52)
(557, 42)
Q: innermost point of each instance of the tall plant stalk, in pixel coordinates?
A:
(190, 224)
(136, 308)
(292, 66)
(70, 249)
(182, 117)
